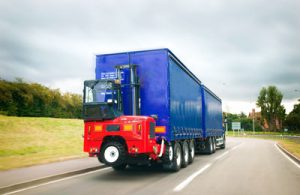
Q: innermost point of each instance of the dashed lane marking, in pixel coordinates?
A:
(190, 178)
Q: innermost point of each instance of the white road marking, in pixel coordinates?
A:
(190, 178)
(287, 157)
(55, 181)
(220, 156)
(194, 175)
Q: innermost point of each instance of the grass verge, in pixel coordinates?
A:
(26, 141)
(291, 144)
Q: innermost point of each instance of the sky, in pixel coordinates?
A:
(234, 47)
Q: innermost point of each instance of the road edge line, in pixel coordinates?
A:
(26, 184)
(288, 155)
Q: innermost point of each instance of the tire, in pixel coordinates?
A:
(168, 155)
(191, 151)
(175, 163)
(222, 146)
(214, 144)
(209, 148)
(120, 167)
(113, 154)
(185, 154)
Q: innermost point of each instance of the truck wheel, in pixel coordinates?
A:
(168, 156)
(209, 148)
(175, 163)
(119, 167)
(214, 144)
(191, 151)
(222, 146)
(113, 154)
(185, 154)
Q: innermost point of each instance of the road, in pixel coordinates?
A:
(246, 166)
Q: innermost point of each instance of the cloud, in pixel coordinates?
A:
(234, 47)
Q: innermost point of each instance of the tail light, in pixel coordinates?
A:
(89, 129)
(139, 129)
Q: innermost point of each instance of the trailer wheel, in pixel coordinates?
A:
(113, 154)
(222, 146)
(214, 144)
(175, 163)
(168, 156)
(185, 154)
(209, 148)
(191, 151)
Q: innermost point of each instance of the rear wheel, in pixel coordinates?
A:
(113, 154)
(222, 146)
(185, 154)
(175, 163)
(209, 148)
(214, 144)
(191, 151)
(168, 156)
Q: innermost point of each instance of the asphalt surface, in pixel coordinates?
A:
(26, 174)
(246, 166)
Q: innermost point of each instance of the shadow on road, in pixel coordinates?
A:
(133, 173)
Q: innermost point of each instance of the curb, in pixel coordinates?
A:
(296, 159)
(42, 180)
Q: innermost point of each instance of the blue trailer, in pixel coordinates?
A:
(177, 113)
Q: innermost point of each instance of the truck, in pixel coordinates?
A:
(147, 107)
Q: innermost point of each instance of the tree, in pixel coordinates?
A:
(292, 121)
(269, 100)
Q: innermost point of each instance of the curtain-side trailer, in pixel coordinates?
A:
(147, 106)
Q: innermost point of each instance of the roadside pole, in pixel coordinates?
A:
(225, 121)
(253, 118)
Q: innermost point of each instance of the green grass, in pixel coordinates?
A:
(230, 133)
(26, 141)
(290, 144)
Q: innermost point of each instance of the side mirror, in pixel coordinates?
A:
(154, 116)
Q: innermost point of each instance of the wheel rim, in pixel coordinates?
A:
(178, 154)
(170, 153)
(211, 145)
(111, 154)
(186, 152)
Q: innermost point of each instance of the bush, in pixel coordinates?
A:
(32, 99)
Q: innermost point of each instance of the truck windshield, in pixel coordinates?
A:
(98, 91)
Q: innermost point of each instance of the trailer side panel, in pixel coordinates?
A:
(212, 111)
(185, 104)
